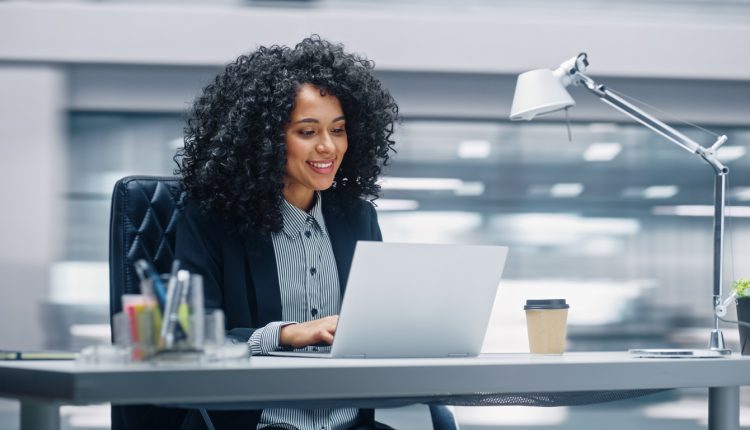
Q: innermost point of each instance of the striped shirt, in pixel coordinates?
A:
(309, 285)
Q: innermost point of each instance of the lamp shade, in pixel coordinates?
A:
(538, 92)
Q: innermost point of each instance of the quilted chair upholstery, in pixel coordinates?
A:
(143, 223)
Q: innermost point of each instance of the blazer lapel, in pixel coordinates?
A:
(342, 242)
(262, 263)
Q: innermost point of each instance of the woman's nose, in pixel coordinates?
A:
(326, 144)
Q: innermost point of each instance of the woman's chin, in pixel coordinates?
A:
(323, 185)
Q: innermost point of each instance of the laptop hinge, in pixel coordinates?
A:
(459, 354)
(354, 356)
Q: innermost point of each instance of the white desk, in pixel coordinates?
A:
(263, 381)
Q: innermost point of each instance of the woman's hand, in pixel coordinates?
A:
(309, 333)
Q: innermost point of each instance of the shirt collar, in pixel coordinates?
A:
(296, 220)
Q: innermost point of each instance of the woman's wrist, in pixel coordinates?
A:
(286, 335)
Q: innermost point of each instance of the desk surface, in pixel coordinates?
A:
(270, 380)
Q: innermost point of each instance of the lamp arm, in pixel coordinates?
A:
(612, 99)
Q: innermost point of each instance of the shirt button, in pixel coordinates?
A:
(313, 311)
(313, 270)
(308, 234)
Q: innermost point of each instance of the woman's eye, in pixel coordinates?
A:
(307, 133)
(338, 131)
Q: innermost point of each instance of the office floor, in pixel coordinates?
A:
(676, 410)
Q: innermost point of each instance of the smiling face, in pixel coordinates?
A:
(315, 145)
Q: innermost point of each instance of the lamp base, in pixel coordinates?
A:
(717, 341)
(680, 353)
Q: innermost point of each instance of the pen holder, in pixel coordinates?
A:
(179, 328)
(206, 345)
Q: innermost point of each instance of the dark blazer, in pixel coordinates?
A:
(240, 276)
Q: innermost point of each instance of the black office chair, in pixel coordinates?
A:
(143, 223)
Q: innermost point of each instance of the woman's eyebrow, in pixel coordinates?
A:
(313, 120)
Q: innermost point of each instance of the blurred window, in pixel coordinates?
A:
(600, 220)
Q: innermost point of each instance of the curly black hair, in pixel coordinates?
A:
(234, 158)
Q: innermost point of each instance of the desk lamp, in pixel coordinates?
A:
(543, 91)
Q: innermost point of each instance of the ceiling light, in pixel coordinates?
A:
(701, 210)
(603, 127)
(434, 184)
(431, 226)
(538, 190)
(396, 205)
(729, 153)
(660, 192)
(632, 192)
(604, 151)
(571, 223)
(471, 189)
(474, 149)
(566, 190)
(741, 193)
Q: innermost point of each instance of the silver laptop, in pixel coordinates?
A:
(413, 300)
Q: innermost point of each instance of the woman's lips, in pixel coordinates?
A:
(323, 167)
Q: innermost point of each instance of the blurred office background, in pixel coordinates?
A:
(618, 220)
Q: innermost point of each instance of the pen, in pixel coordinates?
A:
(146, 272)
(183, 309)
(171, 328)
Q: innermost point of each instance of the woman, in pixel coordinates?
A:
(280, 152)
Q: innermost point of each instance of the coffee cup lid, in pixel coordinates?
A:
(546, 304)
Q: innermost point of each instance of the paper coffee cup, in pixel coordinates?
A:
(546, 323)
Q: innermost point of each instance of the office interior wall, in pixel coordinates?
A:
(32, 177)
(666, 43)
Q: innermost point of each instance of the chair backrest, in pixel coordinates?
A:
(143, 223)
